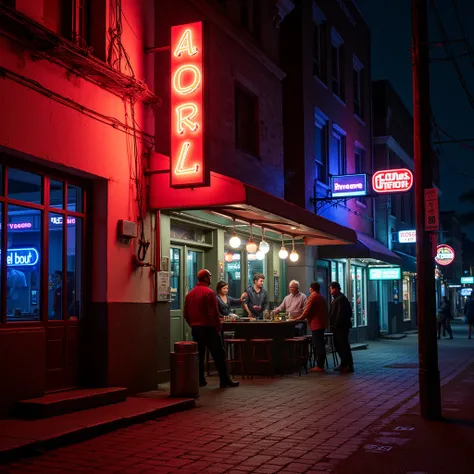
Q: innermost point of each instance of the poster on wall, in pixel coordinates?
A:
(164, 290)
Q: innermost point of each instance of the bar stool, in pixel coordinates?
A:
(264, 346)
(311, 354)
(234, 354)
(329, 341)
(296, 350)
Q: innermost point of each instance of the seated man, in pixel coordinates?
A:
(293, 304)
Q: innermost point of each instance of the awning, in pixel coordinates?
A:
(234, 199)
(408, 263)
(365, 248)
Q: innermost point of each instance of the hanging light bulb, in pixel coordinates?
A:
(229, 256)
(234, 241)
(251, 245)
(251, 257)
(264, 247)
(283, 253)
(260, 255)
(294, 254)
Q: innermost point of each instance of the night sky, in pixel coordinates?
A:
(390, 22)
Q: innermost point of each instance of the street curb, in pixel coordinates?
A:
(37, 447)
(359, 347)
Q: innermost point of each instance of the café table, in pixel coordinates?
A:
(260, 329)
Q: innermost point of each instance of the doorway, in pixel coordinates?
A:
(383, 306)
(185, 263)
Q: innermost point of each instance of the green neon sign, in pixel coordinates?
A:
(385, 273)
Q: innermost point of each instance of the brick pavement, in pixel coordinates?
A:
(293, 424)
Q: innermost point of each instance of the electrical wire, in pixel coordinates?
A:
(469, 48)
(450, 54)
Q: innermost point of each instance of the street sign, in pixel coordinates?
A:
(467, 280)
(431, 209)
(385, 273)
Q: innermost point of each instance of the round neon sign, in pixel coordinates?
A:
(444, 255)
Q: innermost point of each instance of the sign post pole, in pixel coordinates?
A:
(429, 381)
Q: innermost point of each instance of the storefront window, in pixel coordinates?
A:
(23, 263)
(359, 295)
(175, 282)
(233, 274)
(254, 265)
(194, 265)
(35, 224)
(75, 232)
(406, 299)
(338, 273)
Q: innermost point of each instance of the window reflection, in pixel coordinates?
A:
(55, 272)
(233, 275)
(23, 263)
(74, 267)
(75, 198)
(175, 281)
(254, 265)
(56, 194)
(25, 186)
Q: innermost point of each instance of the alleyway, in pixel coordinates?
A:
(296, 424)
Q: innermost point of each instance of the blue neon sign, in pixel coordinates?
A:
(25, 257)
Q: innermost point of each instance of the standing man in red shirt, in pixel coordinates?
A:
(201, 313)
(316, 312)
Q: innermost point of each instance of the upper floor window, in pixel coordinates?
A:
(339, 150)
(246, 121)
(319, 44)
(250, 16)
(321, 146)
(357, 82)
(359, 158)
(80, 21)
(337, 64)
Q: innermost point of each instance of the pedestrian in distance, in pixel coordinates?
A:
(469, 314)
(316, 313)
(340, 323)
(201, 313)
(444, 318)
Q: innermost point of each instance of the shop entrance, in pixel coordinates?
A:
(185, 262)
(383, 306)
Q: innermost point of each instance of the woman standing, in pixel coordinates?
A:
(445, 317)
(226, 302)
(469, 313)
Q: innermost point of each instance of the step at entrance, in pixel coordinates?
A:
(60, 403)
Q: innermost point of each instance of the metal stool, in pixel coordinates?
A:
(266, 348)
(234, 354)
(311, 354)
(296, 350)
(329, 341)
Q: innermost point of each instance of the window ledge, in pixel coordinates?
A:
(322, 184)
(361, 204)
(359, 120)
(320, 81)
(45, 44)
(339, 99)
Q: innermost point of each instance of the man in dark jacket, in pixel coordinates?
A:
(340, 323)
(201, 313)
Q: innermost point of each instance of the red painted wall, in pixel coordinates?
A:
(59, 136)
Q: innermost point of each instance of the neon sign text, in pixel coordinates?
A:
(25, 257)
(187, 100)
(392, 181)
(407, 236)
(445, 255)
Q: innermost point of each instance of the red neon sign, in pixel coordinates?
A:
(392, 181)
(445, 255)
(187, 101)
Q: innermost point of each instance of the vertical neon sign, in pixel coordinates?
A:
(188, 168)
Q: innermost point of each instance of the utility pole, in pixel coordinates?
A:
(429, 381)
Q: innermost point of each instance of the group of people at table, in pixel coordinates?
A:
(204, 311)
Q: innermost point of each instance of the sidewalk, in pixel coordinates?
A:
(315, 423)
(407, 443)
